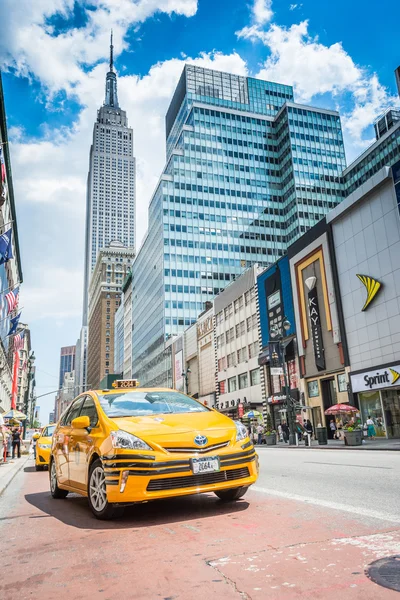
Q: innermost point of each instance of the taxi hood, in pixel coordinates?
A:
(169, 427)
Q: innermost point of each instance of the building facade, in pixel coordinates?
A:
(66, 394)
(11, 271)
(104, 299)
(119, 340)
(127, 303)
(275, 303)
(110, 197)
(323, 358)
(238, 382)
(366, 239)
(248, 171)
(23, 371)
(205, 331)
(67, 362)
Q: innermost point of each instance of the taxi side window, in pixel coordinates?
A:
(89, 410)
(74, 412)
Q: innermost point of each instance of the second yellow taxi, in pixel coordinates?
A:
(43, 447)
(132, 444)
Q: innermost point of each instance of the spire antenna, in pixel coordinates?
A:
(111, 52)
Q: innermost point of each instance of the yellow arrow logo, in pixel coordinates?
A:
(372, 286)
(395, 375)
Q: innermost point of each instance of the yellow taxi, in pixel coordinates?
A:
(132, 444)
(43, 447)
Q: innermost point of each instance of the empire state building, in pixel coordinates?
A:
(110, 196)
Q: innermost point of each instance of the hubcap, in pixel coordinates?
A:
(53, 478)
(97, 489)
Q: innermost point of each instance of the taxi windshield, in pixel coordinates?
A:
(141, 404)
(48, 431)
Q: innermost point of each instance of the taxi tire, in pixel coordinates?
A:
(57, 493)
(231, 495)
(110, 511)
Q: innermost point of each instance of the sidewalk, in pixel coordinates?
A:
(9, 469)
(378, 444)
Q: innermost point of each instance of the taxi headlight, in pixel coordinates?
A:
(44, 446)
(127, 441)
(241, 431)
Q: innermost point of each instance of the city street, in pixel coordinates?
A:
(308, 529)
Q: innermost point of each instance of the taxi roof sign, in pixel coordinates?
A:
(125, 383)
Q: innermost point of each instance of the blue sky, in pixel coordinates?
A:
(53, 54)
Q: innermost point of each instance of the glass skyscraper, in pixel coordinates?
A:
(248, 171)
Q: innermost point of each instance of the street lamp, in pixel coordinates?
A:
(186, 376)
(277, 332)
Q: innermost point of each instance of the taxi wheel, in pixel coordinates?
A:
(231, 495)
(56, 492)
(39, 467)
(97, 494)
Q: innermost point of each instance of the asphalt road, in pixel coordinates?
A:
(366, 484)
(268, 545)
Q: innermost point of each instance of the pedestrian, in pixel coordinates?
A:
(309, 427)
(35, 438)
(285, 432)
(16, 442)
(371, 428)
(280, 433)
(332, 427)
(260, 431)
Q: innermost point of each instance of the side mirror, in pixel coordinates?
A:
(80, 423)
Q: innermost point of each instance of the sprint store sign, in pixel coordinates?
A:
(376, 380)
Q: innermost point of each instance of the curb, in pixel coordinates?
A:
(13, 474)
(326, 447)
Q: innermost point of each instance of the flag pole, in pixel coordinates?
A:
(12, 287)
(9, 317)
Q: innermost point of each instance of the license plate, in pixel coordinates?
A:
(205, 465)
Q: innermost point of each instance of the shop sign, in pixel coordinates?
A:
(276, 399)
(293, 379)
(372, 286)
(316, 330)
(376, 380)
(240, 410)
(204, 327)
(276, 371)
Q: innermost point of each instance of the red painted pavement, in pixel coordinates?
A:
(194, 548)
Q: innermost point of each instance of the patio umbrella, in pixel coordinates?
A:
(14, 414)
(341, 408)
(252, 414)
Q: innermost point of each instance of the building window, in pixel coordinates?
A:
(222, 364)
(232, 384)
(243, 381)
(255, 377)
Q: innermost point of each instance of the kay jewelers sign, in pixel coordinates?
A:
(376, 380)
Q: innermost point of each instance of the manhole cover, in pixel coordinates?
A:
(386, 572)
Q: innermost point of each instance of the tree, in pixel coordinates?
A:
(269, 426)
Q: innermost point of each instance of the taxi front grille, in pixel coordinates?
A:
(197, 449)
(173, 483)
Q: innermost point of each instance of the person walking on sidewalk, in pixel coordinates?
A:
(260, 431)
(332, 427)
(371, 428)
(16, 442)
(285, 431)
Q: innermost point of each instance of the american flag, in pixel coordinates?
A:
(12, 300)
(19, 341)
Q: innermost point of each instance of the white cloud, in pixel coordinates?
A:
(29, 45)
(262, 11)
(315, 69)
